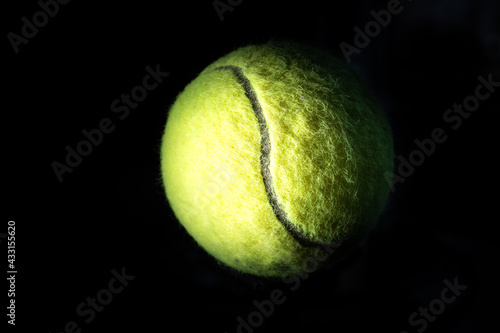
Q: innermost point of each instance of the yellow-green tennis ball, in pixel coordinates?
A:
(272, 153)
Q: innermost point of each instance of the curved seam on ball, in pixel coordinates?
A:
(265, 160)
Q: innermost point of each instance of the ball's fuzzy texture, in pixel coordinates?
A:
(273, 152)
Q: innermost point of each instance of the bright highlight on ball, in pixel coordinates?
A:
(273, 152)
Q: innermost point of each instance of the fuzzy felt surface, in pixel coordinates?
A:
(272, 152)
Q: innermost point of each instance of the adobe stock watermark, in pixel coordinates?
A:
(452, 117)
(420, 319)
(216, 184)
(94, 137)
(30, 27)
(89, 308)
(219, 180)
(265, 308)
(222, 6)
(372, 29)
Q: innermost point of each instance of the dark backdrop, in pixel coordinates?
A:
(110, 212)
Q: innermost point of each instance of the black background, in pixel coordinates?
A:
(111, 213)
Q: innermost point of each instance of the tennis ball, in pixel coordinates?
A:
(276, 154)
